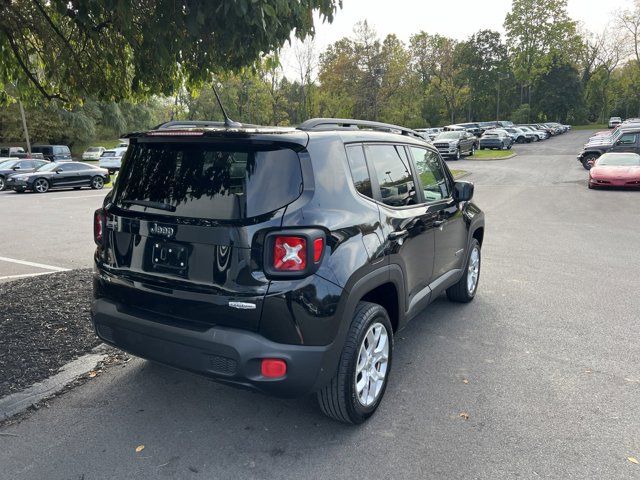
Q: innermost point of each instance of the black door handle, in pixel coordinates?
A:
(397, 235)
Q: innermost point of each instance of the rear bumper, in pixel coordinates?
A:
(227, 355)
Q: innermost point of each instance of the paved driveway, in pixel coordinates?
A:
(550, 349)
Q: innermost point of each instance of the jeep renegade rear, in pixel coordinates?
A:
(281, 259)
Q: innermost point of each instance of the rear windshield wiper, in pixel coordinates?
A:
(145, 203)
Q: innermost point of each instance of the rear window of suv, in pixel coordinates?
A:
(208, 181)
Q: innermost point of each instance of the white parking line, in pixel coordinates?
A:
(25, 275)
(33, 264)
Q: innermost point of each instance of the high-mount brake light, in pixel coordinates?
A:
(175, 133)
(99, 220)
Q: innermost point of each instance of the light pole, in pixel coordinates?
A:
(500, 77)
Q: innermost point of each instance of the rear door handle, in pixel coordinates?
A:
(397, 235)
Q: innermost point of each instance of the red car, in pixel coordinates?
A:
(619, 169)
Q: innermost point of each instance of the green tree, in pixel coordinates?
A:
(484, 63)
(539, 31)
(437, 61)
(116, 49)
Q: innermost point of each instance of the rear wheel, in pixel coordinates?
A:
(457, 155)
(465, 290)
(356, 390)
(2, 184)
(473, 150)
(41, 185)
(97, 183)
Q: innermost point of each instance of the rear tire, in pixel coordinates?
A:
(2, 184)
(465, 290)
(458, 155)
(341, 398)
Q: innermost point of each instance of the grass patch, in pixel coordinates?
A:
(458, 173)
(487, 154)
(591, 126)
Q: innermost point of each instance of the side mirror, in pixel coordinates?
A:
(462, 191)
(15, 168)
(58, 170)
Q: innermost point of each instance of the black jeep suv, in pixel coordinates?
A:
(281, 259)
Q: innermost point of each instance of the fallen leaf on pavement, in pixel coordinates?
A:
(464, 415)
(465, 381)
(633, 460)
(92, 374)
(139, 448)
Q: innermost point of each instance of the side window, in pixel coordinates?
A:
(431, 173)
(397, 187)
(359, 171)
(26, 164)
(628, 139)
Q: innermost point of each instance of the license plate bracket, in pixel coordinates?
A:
(169, 257)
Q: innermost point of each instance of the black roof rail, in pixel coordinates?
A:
(324, 124)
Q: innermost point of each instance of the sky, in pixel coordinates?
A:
(458, 19)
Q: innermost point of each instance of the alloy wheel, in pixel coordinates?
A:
(473, 270)
(97, 183)
(1, 183)
(41, 185)
(371, 367)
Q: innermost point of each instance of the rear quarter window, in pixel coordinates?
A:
(208, 181)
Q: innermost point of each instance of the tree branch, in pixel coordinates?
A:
(28, 73)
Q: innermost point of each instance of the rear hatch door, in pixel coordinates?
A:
(181, 226)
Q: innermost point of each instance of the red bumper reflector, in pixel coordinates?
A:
(273, 368)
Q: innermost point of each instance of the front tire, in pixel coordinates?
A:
(2, 184)
(588, 161)
(473, 150)
(458, 155)
(465, 290)
(357, 388)
(41, 185)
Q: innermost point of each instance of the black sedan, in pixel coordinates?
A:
(15, 166)
(497, 138)
(59, 175)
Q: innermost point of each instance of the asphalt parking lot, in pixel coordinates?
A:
(545, 362)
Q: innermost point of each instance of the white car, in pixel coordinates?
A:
(93, 153)
(540, 134)
(112, 159)
(614, 122)
(9, 151)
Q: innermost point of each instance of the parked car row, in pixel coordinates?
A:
(454, 141)
(625, 138)
(41, 176)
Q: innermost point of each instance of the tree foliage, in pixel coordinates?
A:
(120, 49)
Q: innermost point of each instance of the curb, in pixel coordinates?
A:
(470, 159)
(21, 401)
